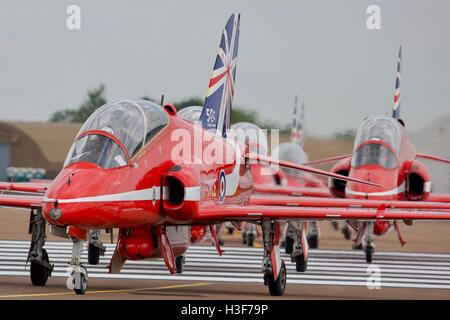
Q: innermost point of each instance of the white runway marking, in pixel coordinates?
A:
(325, 267)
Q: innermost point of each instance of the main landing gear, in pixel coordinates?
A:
(40, 268)
(78, 276)
(95, 247)
(364, 240)
(273, 267)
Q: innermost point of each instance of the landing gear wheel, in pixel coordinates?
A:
(179, 262)
(84, 283)
(335, 225)
(347, 233)
(38, 273)
(78, 281)
(93, 254)
(250, 239)
(369, 253)
(313, 241)
(276, 288)
(300, 263)
(289, 245)
(230, 230)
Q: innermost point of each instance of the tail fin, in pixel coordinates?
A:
(216, 113)
(297, 123)
(396, 108)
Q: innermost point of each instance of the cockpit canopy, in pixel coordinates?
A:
(256, 136)
(291, 152)
(378, 142)
(191, 113)
(132, 122)
(376, 154)
(387, 130)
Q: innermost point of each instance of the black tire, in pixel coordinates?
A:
(347, 233)
(289, 245)
(179, 263)
(313, 241)
(369, 254)
(83, 288)
(250, 239)
(38, 273)
(230, 230)
(93, 254)
(277, 288)
(335, 225)
(300, 263)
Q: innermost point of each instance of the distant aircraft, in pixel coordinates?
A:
(384, 154)
(123, 172)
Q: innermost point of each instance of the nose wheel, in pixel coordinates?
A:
(301, 263)
(370, 250)
(289, 246)
(78, 275)
(180, 261)
(78, 280)
(313, 241)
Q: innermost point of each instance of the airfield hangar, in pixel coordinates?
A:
(36, 145)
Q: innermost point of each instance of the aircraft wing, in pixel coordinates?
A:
(293, 191)
(439, 197)
(36, 186)
(346, 203)
(21, 201)
(327, 160)
(433, 158)
(292, 165)
(217, 214)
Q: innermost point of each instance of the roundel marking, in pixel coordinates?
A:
(222, 186)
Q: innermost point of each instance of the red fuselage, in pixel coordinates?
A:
(154, 188)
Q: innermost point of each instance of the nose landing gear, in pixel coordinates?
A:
(78, 276)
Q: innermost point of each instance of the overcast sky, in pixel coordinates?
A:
(321, 50)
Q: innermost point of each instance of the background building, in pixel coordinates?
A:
(35, 144)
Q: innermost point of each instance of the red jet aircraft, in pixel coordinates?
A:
(383, 154)
(128, 168)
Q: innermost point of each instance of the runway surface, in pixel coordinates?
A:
(240, 264)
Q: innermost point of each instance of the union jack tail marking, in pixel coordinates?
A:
(216, 113)
(297, 123)
(396, 108)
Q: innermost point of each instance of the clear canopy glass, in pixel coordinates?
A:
(133, 122)
(376, 154)
(256, 136)
(98, 149)
(384, 129)
(191, 113)
(291, 152)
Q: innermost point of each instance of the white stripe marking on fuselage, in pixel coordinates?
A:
(394, 191)
(149, 194)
